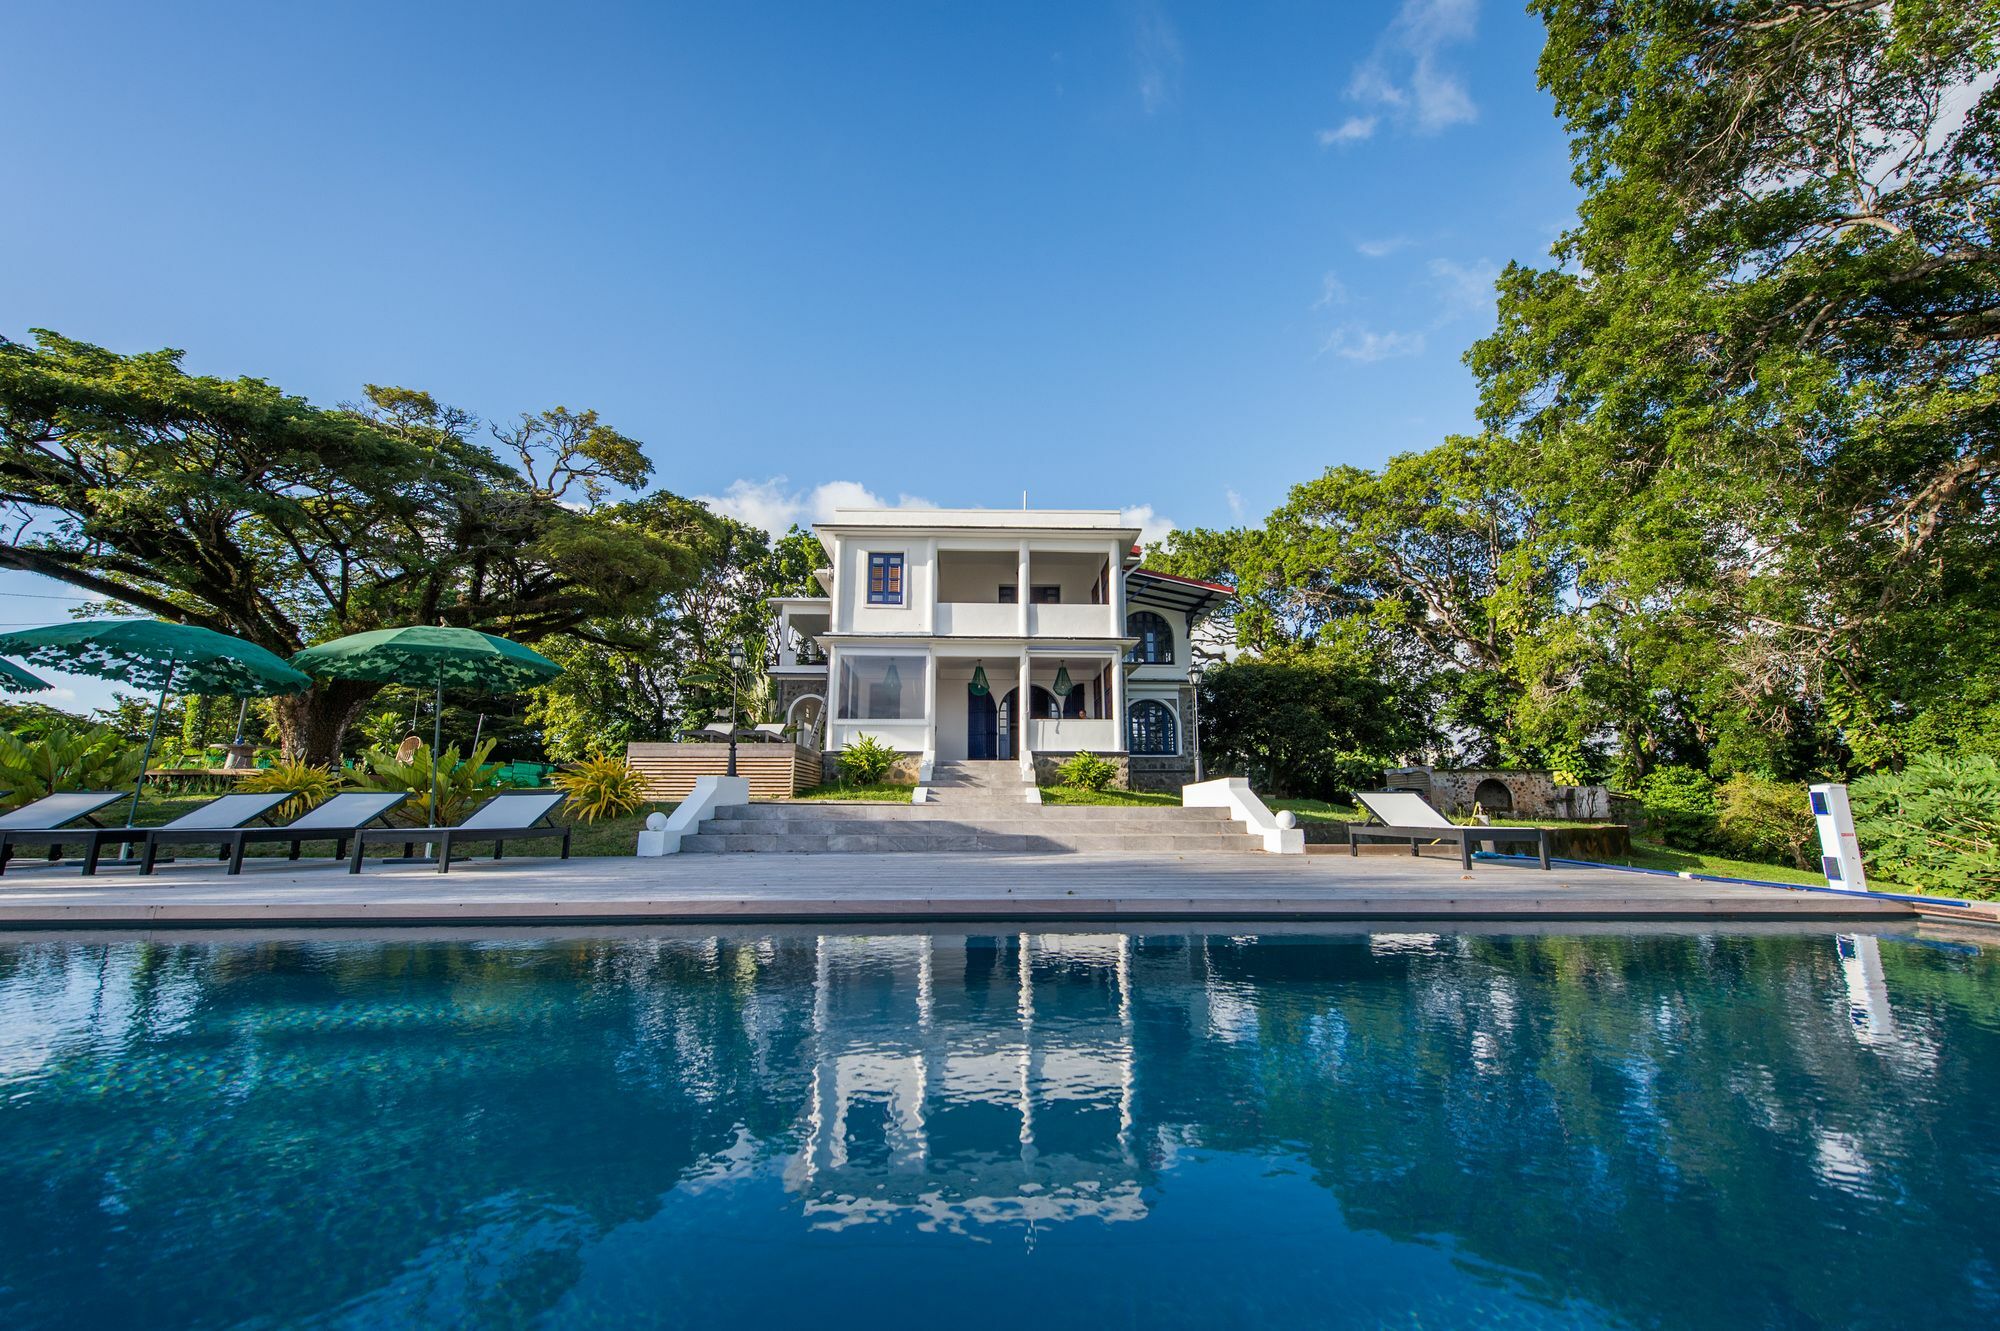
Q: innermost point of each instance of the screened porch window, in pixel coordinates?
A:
(882, 688)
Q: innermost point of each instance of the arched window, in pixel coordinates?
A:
(1156, 640)
(1150, 728)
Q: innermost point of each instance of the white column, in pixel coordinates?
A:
(930, 703)
(830, 713)
(1022, 713)
(1118, 697)
(1021, 593)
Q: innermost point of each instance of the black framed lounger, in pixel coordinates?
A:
(1410, 817)
(225, 812)
(52, 813)
(338, 820)
(503, 818)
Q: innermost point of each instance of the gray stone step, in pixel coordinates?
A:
(1001, 826)
(781, 811)
(880, 842)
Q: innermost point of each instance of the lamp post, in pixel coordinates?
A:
(735, 690)
(1194, 729)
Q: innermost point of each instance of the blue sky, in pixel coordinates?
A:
(1166, 257)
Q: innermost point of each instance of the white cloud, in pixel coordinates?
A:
(1383, 248)
(1152, 526)
(1351, 130)
(1354, 342)
(1332, 291)
(776, 508)
(1158, 54)
(1235, 502)
(1405, 78)
(1463, 289)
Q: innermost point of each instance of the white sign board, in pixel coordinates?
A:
(1839, 852)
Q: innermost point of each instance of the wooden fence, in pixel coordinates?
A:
(776, 771)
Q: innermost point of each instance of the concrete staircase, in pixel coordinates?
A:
(980, 808)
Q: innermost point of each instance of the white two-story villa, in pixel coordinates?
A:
(1028, 635)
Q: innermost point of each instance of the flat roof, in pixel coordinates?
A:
(1106, 520)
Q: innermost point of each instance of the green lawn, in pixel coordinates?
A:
(882, 792)
(1318, 811)
(1079, 795)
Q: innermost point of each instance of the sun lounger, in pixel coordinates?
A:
(501, 819)
(1410, 817)
(51, 812)
(220, 814)
(769, 730)
(337, 820)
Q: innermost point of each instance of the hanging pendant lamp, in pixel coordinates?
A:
(980, 688)
(1062, 681)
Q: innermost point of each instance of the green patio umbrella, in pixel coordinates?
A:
(431, 654)
(154, 654)
(21, 681)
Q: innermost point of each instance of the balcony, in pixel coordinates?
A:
(1074, 734)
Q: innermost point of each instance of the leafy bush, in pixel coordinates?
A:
(1680, 807)
(601, 787)
(309, 785)
(1087, 771)
(62, 760)
(1758, 818)
(866, 761)
(1934, 825)
(461, 781)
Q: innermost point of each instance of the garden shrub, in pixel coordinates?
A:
(1933, 825)
(1680, 807)
(309, 784)
(62, 760)
(1757, 818)
(1087, 771)
(460, 782)
(865, 761)
(601, 787)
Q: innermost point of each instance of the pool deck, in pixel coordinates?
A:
(901, 888)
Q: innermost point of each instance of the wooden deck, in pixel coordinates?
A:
(912, 888)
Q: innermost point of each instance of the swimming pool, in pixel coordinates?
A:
(1157, 1129)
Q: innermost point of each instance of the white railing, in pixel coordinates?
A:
(907, 736)
(1072, 621)
(1072, 734)
(978, 619)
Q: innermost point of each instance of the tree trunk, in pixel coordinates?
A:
(313, 725)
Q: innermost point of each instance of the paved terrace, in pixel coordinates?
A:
(895, 888)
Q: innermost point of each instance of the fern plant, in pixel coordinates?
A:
(460, 781)
(63, 760)
(601, 787)
(1087, 771)
(309, 785)
(866, 761)
(1934, 825)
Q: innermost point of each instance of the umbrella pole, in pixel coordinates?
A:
(437, 738)
(242, 712)
(159, 710)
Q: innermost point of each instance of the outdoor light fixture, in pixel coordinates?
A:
(980, 688)
(736, 663)
(1062, 681)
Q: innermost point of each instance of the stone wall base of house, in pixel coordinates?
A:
(1160, 773)
(1047, 763)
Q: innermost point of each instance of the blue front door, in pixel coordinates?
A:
(982, 724)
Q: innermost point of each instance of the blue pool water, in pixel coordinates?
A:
(1067, 1130)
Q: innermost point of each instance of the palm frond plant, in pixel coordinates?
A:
(460, 781)
(601, 787)
(66, 760)
(309, 785)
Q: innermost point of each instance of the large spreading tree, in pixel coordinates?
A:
(231, 504)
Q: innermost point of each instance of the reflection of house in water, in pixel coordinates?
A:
(971, 1080)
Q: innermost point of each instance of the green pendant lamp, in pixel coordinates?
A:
(1062, 680)
(980, 688)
